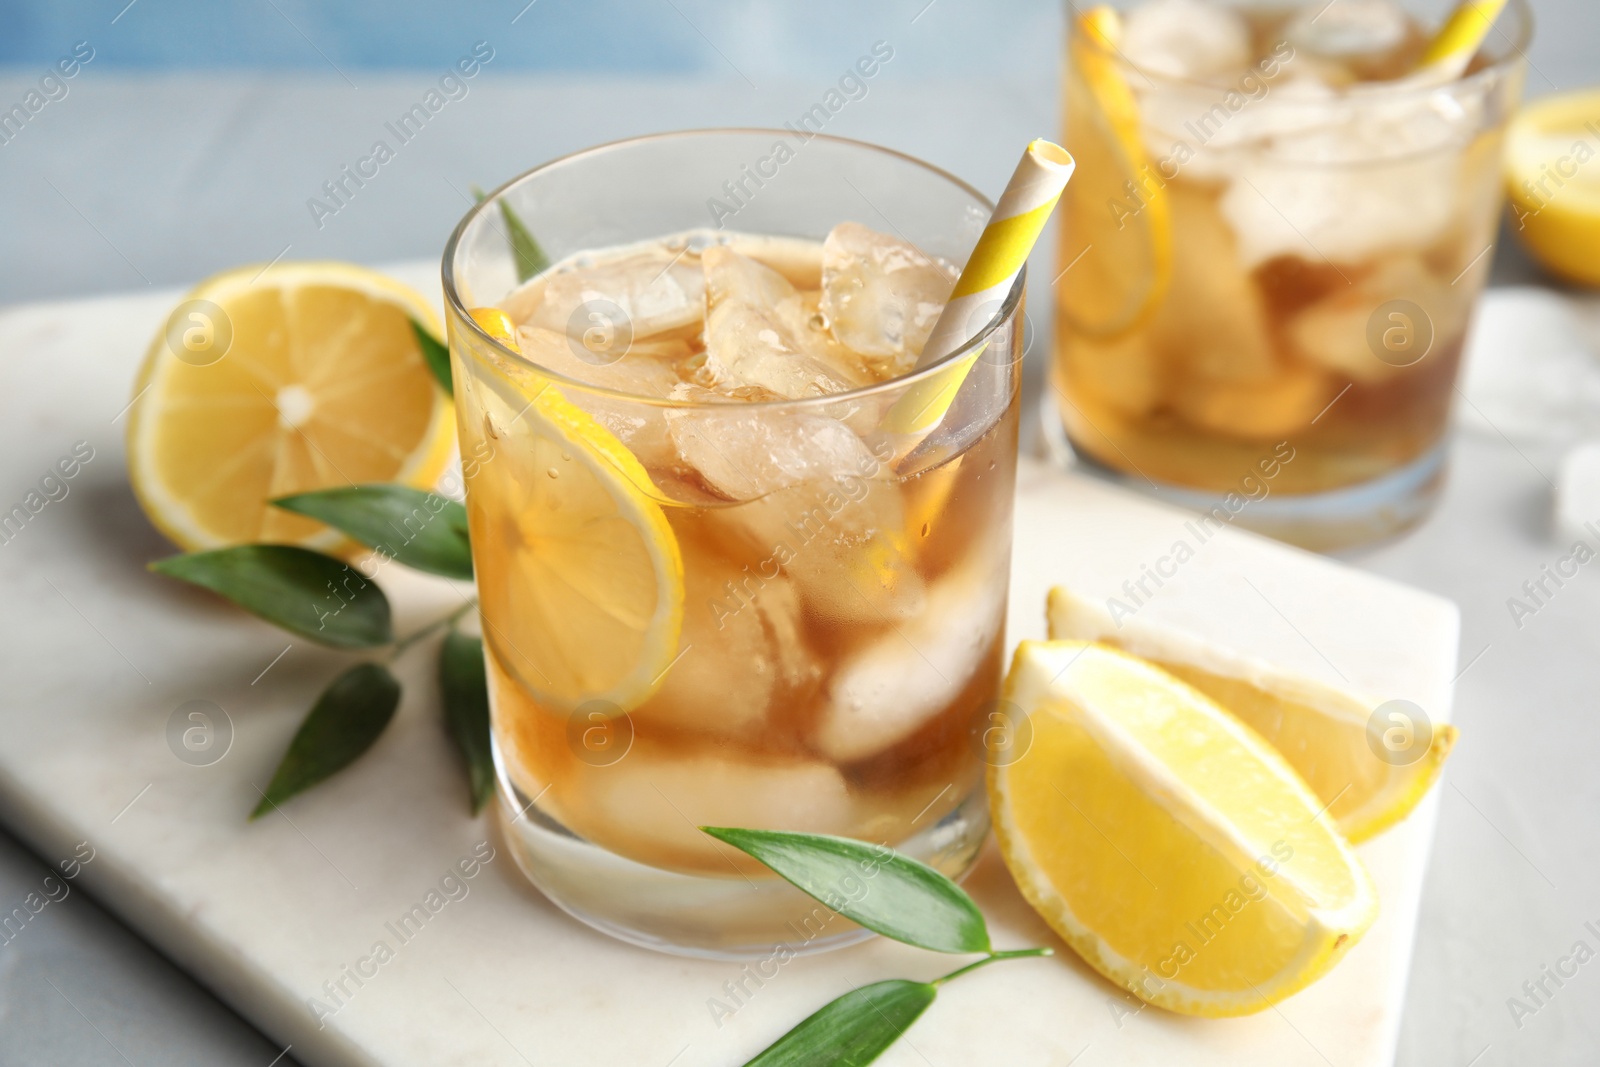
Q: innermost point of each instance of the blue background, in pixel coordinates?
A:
(765, 38)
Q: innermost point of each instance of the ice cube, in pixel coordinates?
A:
(757, 332)
(643, 294)
(1333, 333)
(741, 651)
(650, 804)
(841, 540)
(817, 504)
(1212, 322)
(731, 275)
(1207, 133)
(1263, 410)
(746, 346)
(745, 453)
(1347, 191)
(881, 295)
(893, 687)
(643, 368)
(1188, 39)
(1578, 492)
(646, 369)
(1348, 29)
(1530, 370)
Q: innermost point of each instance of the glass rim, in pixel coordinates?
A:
(1385, 92)
(456, 309)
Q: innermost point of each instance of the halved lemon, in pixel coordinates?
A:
(1553, 176)
(1116, 219)
(1322, 730)
(1165, 841)
(268, 383)
(579, 573)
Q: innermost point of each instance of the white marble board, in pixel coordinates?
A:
(98, 654)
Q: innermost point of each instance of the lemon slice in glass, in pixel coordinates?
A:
(1168, 844)
(1126, 250)
(265, 384)
(579, 572)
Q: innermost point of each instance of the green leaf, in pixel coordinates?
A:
(873, 885)
(436, 354)
(305, 592)
(525, 250)
(466, 710)
(420, 529)
(530, 257)
(853, 1030)
(346, 719)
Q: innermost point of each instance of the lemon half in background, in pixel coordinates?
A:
(1553, 178)
(267, 383)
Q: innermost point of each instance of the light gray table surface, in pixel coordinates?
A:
(137, 180)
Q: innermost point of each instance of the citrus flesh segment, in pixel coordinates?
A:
(497, 324)
(1320, 729)
(1164, 841)
(322, 384)
(1115, 210)
(1555, 189)
(579, 572)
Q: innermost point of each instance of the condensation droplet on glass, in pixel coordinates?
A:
(488, 427)
(566, 456)
(552, 472)
(925, 529)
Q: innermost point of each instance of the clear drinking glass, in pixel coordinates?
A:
(840, 634)
(1269, 275)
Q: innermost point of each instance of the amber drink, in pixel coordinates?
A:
(724, 580)
(1271, 253)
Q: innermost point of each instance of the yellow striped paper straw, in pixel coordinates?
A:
(1459, 38)
(991, 270)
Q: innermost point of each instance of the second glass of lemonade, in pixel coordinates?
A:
(1270, 253)
(740, 563)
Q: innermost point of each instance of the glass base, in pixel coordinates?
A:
(733, 918)
(1341, 519)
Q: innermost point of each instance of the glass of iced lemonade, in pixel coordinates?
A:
(1271, 252)
(739, 564)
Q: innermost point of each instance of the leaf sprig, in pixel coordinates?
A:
(324, 599)
(890, 894)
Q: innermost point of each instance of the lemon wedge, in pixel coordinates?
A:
(1321, 730)
(1553, 176)
(265, 384)
(1166, 842)
(579, 573)
(1131, 244)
